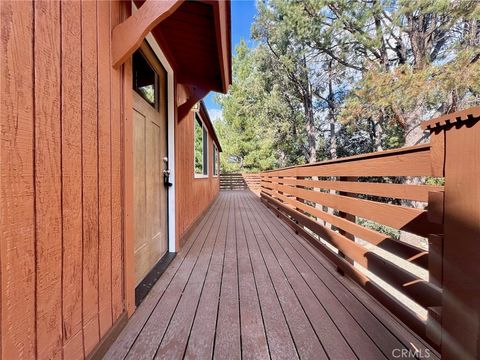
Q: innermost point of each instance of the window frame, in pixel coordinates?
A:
(215, 167)
(205, 162)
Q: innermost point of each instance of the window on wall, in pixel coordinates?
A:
(201, 150)
(215, 160)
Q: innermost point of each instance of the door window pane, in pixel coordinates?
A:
(144, 79)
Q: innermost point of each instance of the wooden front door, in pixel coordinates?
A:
(150, 161)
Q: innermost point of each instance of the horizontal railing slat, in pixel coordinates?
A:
(396, 191)
(419, 290)
(407, 316)
(398, 217)
(347, 187)
(413, 163)
(407, 252)
(354, 158)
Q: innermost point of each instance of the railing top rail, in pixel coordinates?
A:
(372, 155)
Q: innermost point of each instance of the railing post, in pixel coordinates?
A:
(460, 313)
(348, 217)
(345, 215)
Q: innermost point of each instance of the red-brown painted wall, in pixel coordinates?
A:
(61, 178)
(66, 260)
(193, 195)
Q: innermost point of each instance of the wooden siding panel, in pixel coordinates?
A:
(72, 178)
(48, 180)
(61, 178)
(116, 191)
(90, 175)
(200, 191)
(104, 170)
(17, 217)
(128, 172)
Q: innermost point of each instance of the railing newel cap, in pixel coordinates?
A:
(446, 120)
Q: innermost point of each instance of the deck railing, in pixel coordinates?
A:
(239, 181)
(253, 182)
(363, 211)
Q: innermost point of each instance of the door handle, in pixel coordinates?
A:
(166, 178)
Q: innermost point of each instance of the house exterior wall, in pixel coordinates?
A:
(66, 170)
(61, 274)
(194, 195)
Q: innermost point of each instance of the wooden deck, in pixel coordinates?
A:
(245, 286)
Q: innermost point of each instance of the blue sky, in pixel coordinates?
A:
(243, 12)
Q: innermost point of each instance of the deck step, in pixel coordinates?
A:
(232, 182)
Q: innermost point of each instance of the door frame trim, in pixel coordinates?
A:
(127, 171)
(170, 139)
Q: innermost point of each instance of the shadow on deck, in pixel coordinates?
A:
(246, 286)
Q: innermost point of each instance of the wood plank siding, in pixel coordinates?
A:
(191, 190)
(67, 214)
(246, 286)
(61, 178)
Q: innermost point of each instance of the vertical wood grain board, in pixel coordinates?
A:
(48, 188)
(17, 191)
(61, 214)
(104, 169)
(72, 178)
(90, 175)
(127, 119)
(117, 184)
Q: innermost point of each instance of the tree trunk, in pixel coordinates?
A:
(307, 95)
(312, 142)
(282, 159)
(331, 113)
(378, 135)
(333, 139)
(311, 131)
(413, 136)
(333, 130)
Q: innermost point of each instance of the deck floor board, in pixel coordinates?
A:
(245, 286)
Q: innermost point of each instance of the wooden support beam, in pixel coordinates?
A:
(196, 94)
(128, 35)
(220, 12)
